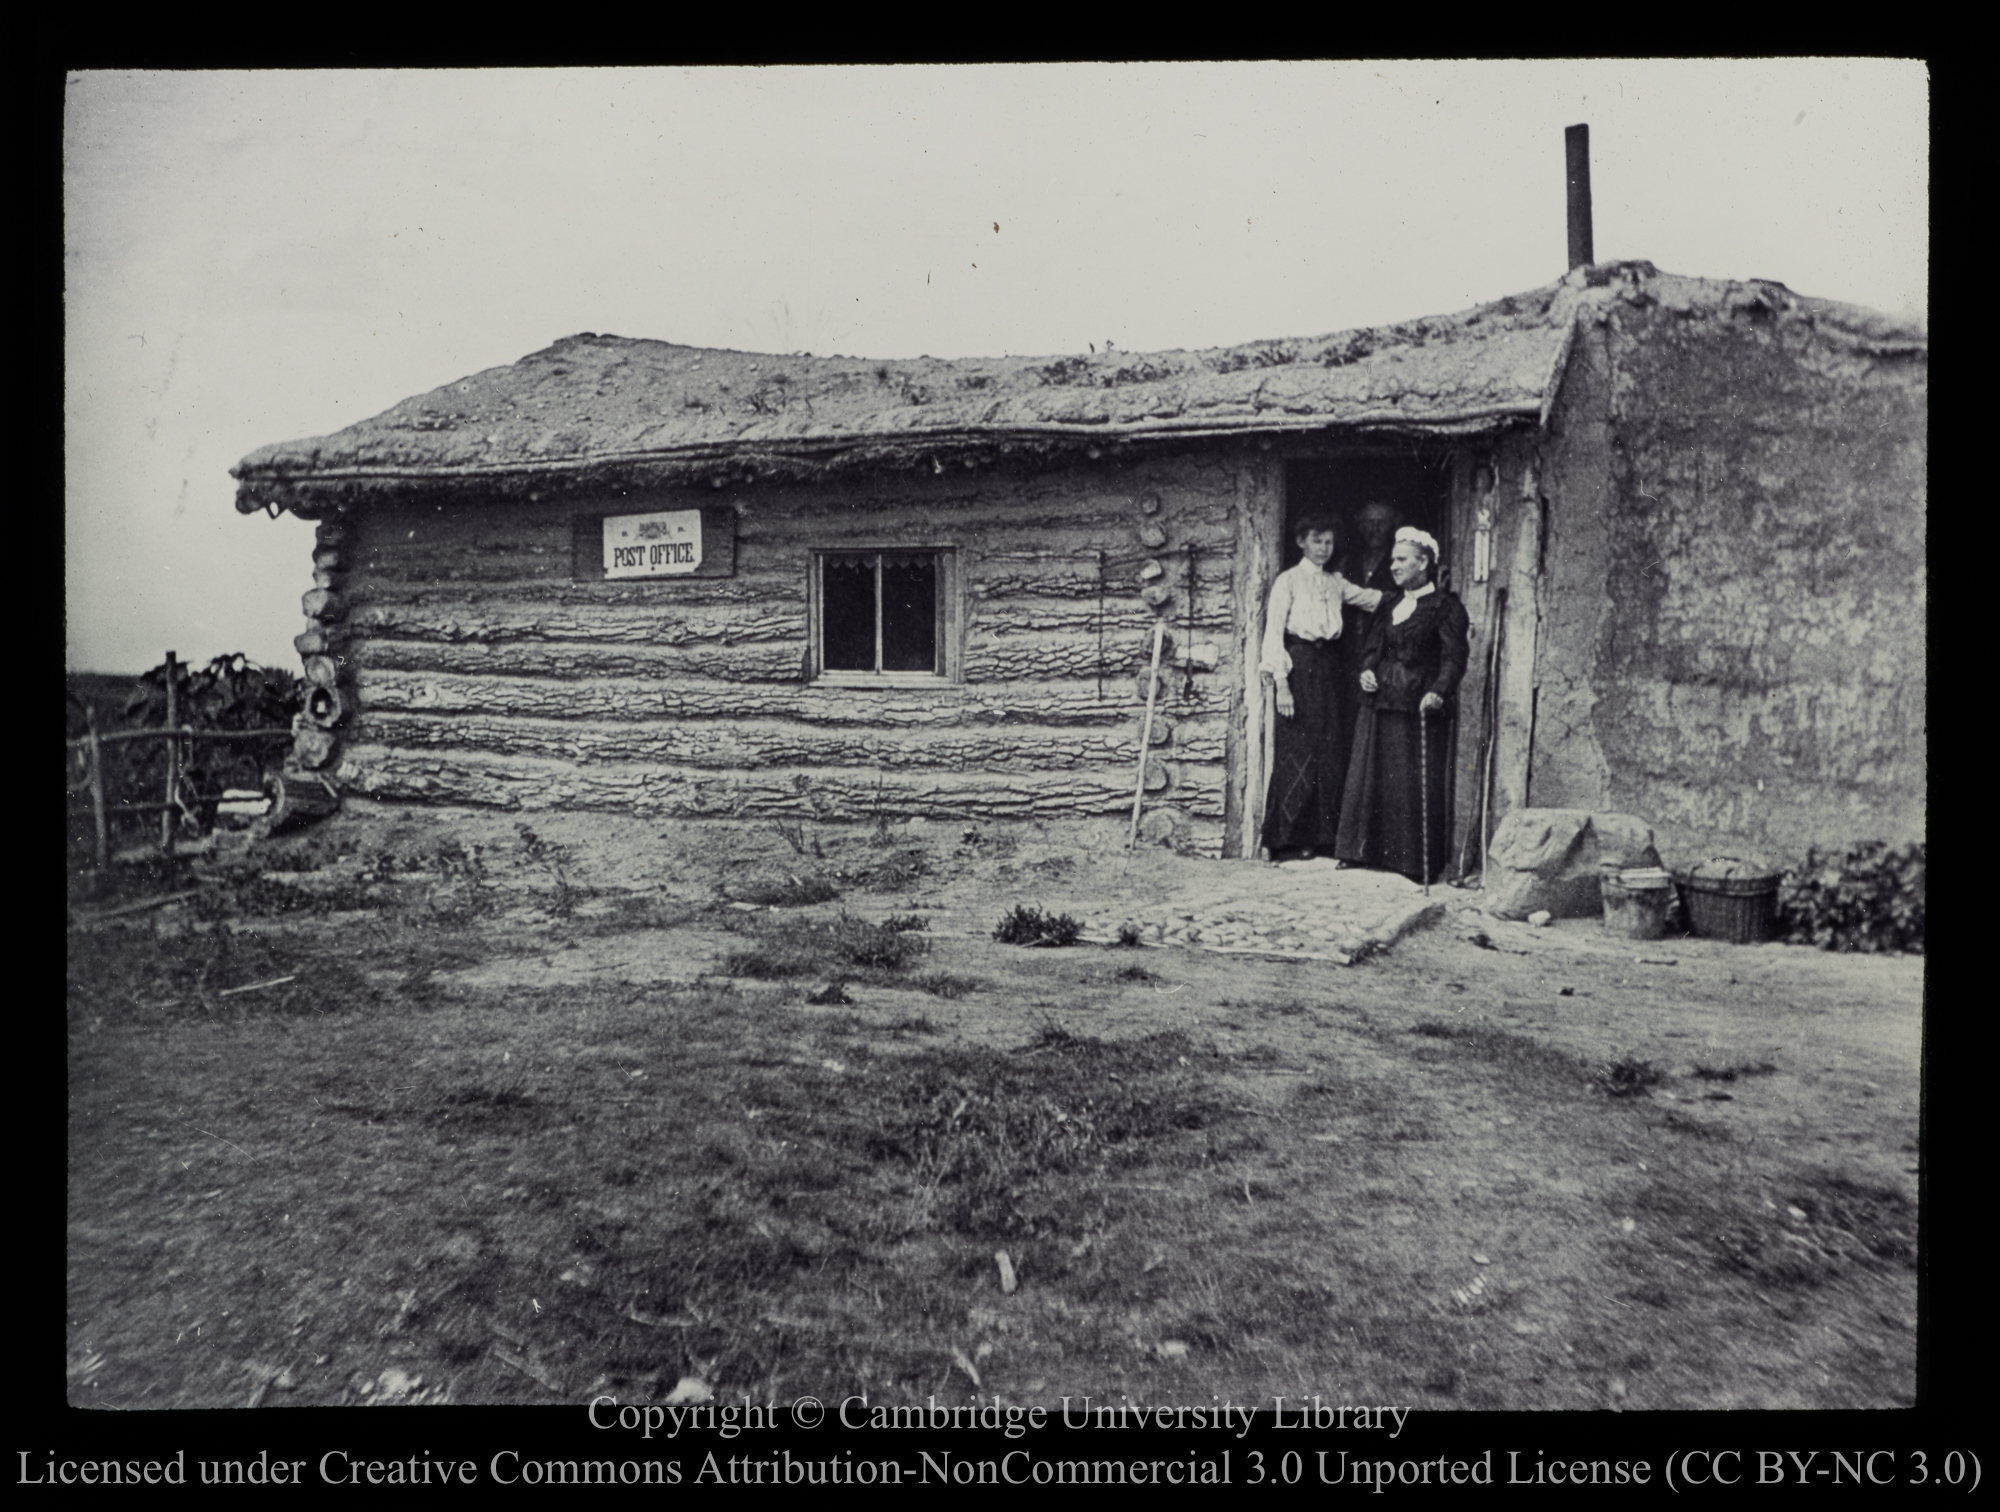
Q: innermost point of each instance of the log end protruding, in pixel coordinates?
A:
(312, 747)
(322, 671)
(299, 798)
(324, 705)
(320, 640)
(324, 604)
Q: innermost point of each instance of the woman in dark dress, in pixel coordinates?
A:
(1411, 667)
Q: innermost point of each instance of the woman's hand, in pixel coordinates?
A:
(1286, 708)
(1368, 683)
(1431, 704)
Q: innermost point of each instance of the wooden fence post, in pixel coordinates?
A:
(97, 792)
(167, 825)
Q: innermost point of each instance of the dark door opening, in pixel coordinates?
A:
(1418, 492)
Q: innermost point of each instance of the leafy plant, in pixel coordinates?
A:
(1870, 899)
(552, 859)
(229, 693)
(463, 891)
(1030, 926)
(794, 835)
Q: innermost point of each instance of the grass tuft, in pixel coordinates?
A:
(1630, 1077)
(195, 974)
(984, 1132)
(1730, 1073)
(819, 949)
(896, 872)
(788, 891)
(942, 984)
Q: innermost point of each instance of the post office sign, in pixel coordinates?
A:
(698, 541)
(653, 545)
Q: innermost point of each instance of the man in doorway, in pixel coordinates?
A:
(1367, 566)
(1376, 525)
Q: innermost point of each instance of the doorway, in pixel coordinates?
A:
(1419, 491)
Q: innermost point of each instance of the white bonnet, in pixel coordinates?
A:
(1421, 538)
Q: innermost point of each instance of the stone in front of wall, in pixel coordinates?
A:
(1549, 859)
(1163, 826)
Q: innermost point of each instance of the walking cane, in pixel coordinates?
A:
(1424, 788)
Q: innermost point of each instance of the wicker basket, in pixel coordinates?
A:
(1740, 909)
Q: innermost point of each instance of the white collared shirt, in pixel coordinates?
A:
(1306, 602)
(1407, 604)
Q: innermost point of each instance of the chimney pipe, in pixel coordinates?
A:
(1576, 148)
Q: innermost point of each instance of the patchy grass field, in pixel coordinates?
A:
(380, 1115)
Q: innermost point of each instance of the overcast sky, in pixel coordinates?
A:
(254, 257)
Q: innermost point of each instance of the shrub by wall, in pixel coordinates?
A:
(1871, 899)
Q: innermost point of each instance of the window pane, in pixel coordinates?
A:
(909, 613)
(847, 609)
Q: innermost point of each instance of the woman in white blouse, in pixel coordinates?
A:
(1302, 660)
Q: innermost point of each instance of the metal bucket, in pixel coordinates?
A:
(1636, 901)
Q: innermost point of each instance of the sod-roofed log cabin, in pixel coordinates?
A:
(1685, 517)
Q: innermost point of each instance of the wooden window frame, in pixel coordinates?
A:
(949, 624)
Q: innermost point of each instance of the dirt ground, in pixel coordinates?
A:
(439, 1108)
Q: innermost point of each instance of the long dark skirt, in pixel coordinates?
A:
(1381, 816)
(1309, 758)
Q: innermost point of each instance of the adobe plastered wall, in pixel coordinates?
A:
(1733, 633)
(483, 673)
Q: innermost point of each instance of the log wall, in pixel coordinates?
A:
(480, 671)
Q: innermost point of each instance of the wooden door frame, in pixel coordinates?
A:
(1260, 516)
